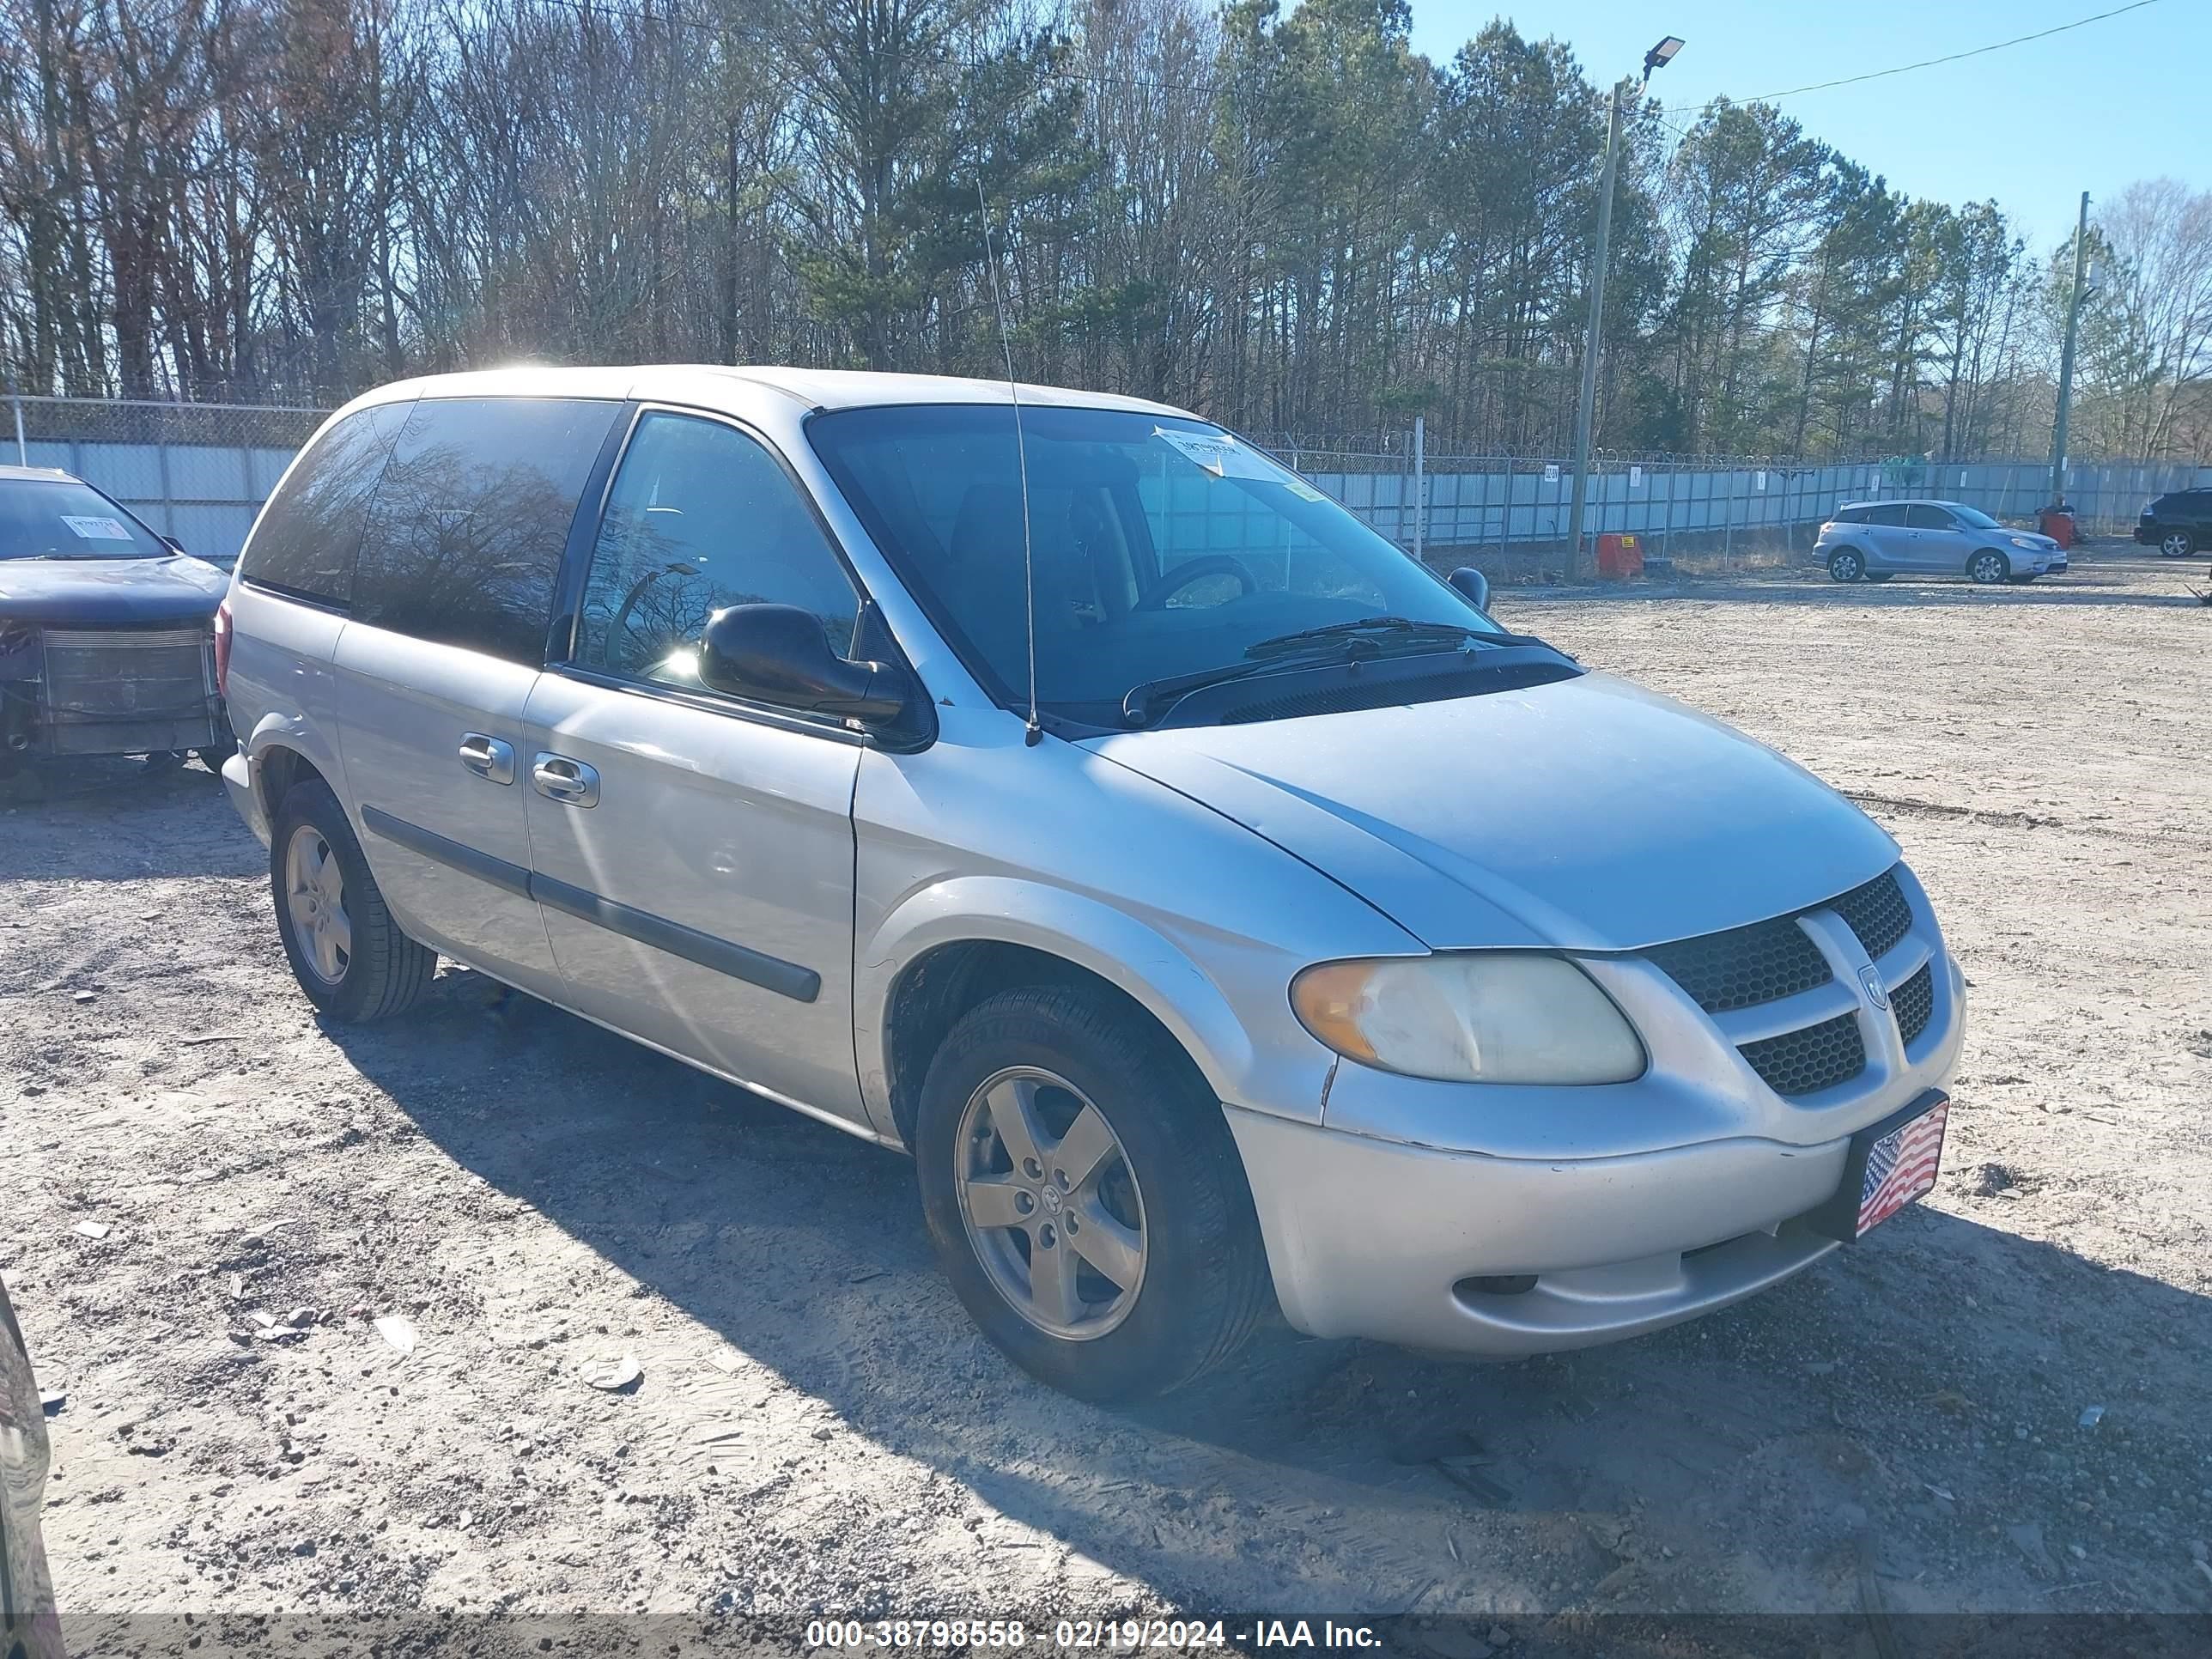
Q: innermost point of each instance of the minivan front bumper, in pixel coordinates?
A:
(1493, 1220)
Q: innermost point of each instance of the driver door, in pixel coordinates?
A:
(694, 853)
(1939, 542)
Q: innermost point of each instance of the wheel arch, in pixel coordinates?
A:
(950, 947)
(280, 752)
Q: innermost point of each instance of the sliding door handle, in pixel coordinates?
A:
(488, 758)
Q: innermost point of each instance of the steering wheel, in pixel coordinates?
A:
(1156, 597)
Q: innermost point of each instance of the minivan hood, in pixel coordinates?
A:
(1586, 814)
(110, 593)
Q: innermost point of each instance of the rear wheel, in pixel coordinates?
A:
(1989, 566)
(1084, 1195)
(1846, 564)
(348, 954)
(2176, 544)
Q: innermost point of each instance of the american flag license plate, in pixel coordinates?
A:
(1900, 1166)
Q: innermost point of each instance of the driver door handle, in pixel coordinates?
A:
(571, 782)
(488, 757)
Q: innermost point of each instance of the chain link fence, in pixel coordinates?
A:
(200, 471)
(196, 471)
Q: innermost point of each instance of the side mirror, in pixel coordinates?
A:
(780, 655)
(1474, 586)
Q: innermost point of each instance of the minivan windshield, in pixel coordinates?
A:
(1976, 517)
(61, 519)
(1161, 546)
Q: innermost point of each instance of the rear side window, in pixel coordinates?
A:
(1890, 514)
(1851, 515)
(1931, 518)
(304, 542)
(465, 536)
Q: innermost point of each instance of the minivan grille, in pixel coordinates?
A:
(1877, 913)
(1745, 966)
(1914, 1004)
(1806, 1061)
(1763, 963)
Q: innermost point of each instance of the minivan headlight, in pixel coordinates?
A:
(2028, 542)
(1487, 1017)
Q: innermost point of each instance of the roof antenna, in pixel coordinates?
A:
(1022, 459)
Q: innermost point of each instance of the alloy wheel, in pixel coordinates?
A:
(314, 894)
(1050, 1203)
(2176, 544)
(1987, 568)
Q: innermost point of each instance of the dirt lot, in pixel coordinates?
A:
(818, 1427)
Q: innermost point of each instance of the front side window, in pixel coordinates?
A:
(466, 535)
(1160, 546)
(1930, 518)
(700, 517)
(42, 519)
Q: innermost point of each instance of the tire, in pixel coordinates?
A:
(1988, 567)
(377, 971)
(1847, 564)
(1042, 1059)
(2176, 544)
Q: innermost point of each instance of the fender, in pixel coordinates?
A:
(1289, 1079)
(276, 730)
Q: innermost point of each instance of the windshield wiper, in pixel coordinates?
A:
(1150, 695)
(1397, 627)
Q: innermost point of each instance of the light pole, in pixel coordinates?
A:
(2083, 281)
(1658, 57)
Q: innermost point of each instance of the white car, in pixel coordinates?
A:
(1220, 906)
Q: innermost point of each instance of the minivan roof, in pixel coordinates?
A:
(41, 474)
(817, 388)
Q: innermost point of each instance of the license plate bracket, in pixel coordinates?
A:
(1890, 1163)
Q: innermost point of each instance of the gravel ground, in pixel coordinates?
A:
(818, 1427)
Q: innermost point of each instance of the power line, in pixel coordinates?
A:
(1952, 58)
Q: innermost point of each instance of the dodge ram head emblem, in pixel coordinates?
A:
(1870, 978)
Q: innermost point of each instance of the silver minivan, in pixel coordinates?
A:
(1224, 911)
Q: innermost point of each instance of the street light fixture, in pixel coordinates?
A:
(1658, 57)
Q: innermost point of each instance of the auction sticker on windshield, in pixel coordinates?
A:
(1217, 451)
(96, 530)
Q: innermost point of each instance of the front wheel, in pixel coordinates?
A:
(347, 952)
(1084, 1195)
(1989, 566)
(1845, 564)
(2176, 544)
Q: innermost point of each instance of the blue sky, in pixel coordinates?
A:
(2033, 125)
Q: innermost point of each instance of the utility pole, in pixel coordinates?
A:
(2066, 357)
(1585, 408)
